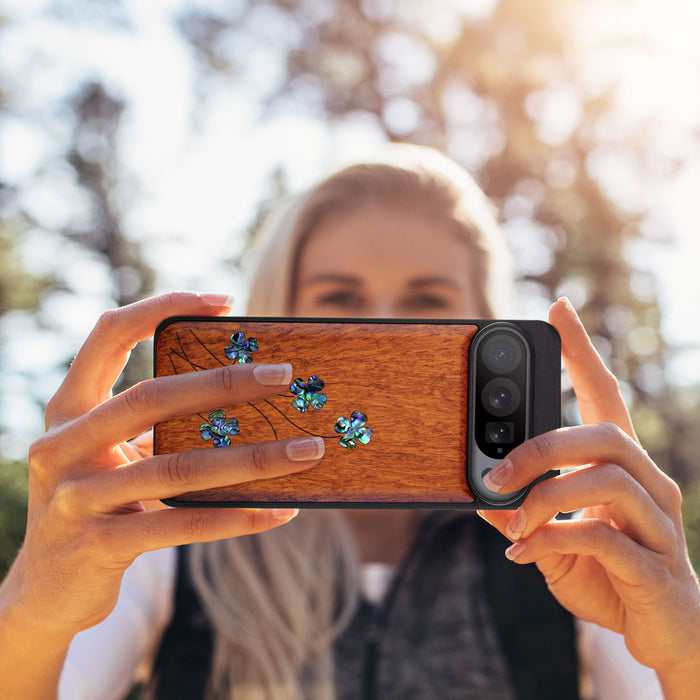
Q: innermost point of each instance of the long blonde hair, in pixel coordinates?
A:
(277, 600)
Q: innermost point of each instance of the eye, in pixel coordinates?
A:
(344, 299)
(427, 302)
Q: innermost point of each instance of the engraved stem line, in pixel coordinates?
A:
(298, 427)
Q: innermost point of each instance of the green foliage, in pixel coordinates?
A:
(691, 521)
(18, 290)
(14, 483)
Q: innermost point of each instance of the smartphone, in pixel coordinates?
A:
(413, 413)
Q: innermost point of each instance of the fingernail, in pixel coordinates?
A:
(306, 449)
(218, 299)
(273, 375)
(569, 306)
(517, 525)
(515, 550)
(285, 514)
(498, 476)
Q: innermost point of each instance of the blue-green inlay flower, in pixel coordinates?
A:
(240, 348)
(308, 394)
(353, 430)
(219, 429)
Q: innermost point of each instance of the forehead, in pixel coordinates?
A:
(405, 239)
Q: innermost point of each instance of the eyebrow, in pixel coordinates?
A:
(333, 277)
(350, 280)
(433, 281)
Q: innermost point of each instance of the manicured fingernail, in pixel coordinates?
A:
(273, 375)
(498, 476)
(569, 306)
(517, 525)
(285, 514)
(306, 449)
(218, 299)
(515, 550)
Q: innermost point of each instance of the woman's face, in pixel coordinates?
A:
(385, 261)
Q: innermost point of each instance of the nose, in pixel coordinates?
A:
(382, 308)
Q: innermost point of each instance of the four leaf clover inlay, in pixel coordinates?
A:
(308, 394)
(353, 430)
(219, 429)
(241, 349)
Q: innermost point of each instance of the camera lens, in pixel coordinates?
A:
(500, 396)
(499, 432)
(502, 353)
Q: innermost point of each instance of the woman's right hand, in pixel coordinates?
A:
(88, 516)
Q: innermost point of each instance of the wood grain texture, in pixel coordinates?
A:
(410, 379)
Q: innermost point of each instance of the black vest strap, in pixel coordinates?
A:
(183, 663)
(536, 633)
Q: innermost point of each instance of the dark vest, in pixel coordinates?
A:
(460, 621)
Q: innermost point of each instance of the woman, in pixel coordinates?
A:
(412, 236)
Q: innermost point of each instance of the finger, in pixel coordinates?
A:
(131, 452)
(606, 486)
(156, 529)
(102, 357)
(596, 388)
(497, 518)
(576, 446)
(167, 476)
(155, 400)
(614, 550)
(143, 444)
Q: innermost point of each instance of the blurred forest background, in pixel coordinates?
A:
(580, 119)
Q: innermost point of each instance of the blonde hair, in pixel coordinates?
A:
(405, 175)
(277, 600)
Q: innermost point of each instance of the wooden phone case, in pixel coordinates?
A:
(410, 380)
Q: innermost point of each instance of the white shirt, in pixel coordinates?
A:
(104, 661)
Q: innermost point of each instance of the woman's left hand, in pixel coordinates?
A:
(623, 564)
